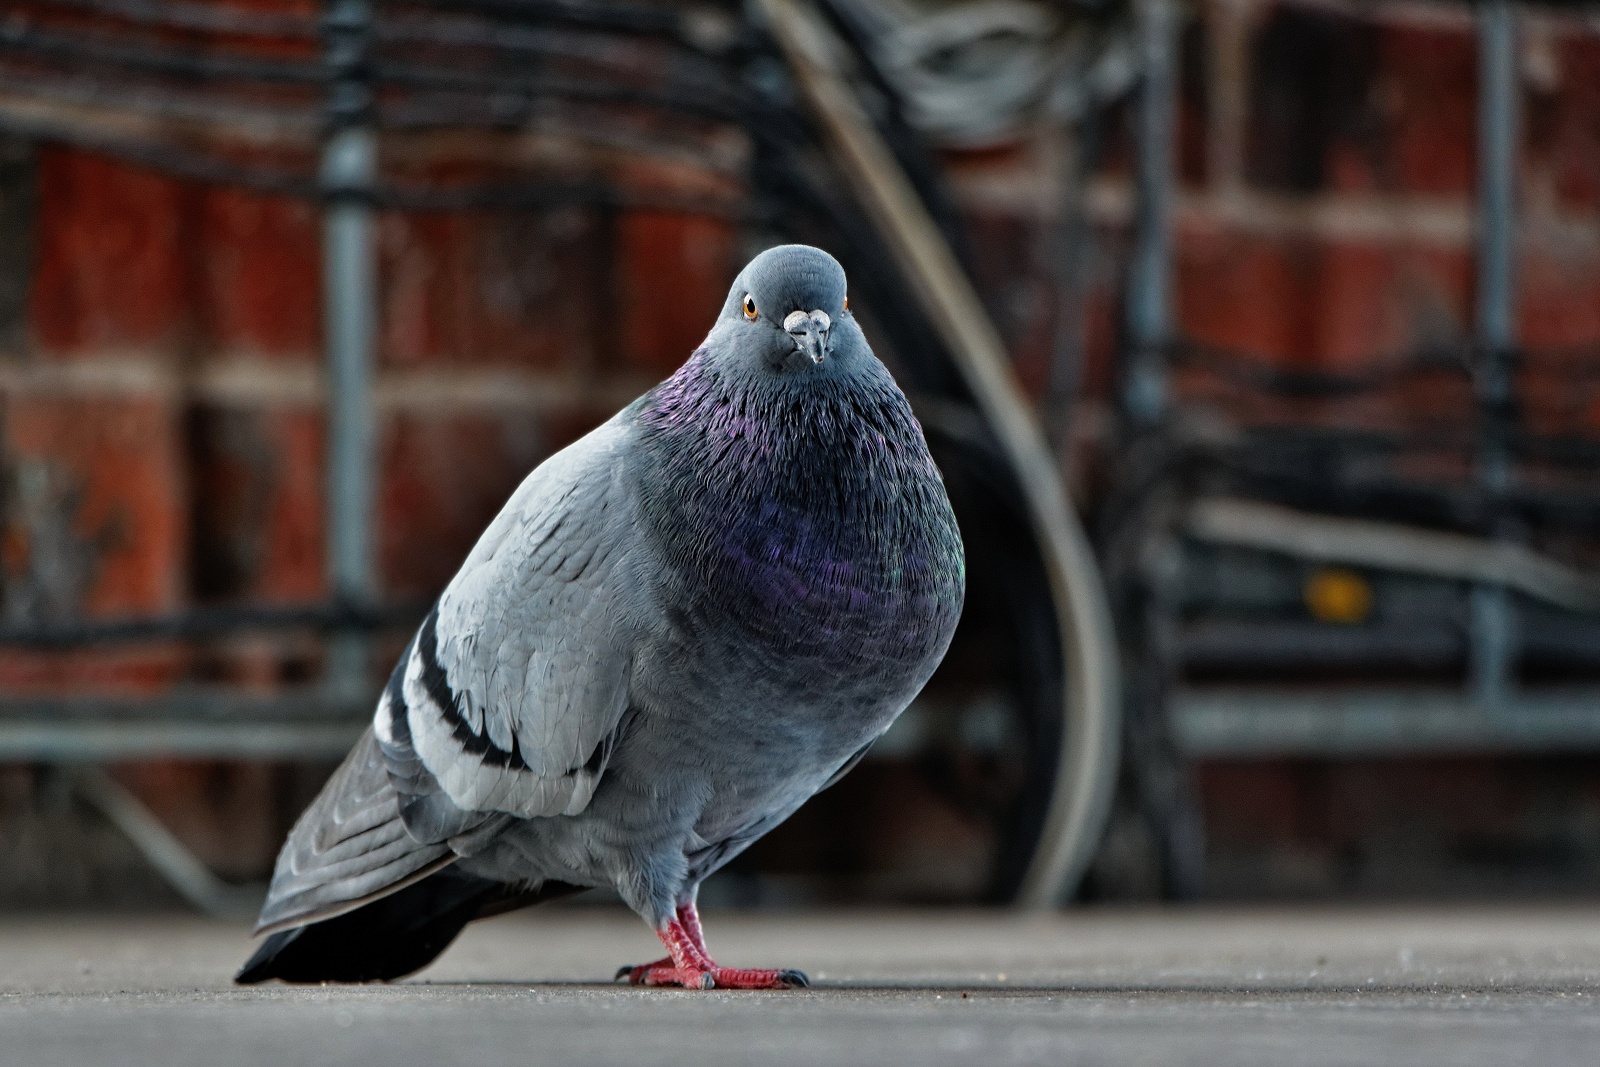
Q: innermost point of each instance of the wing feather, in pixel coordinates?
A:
(520, 673)
(350, 846)
(505, 704)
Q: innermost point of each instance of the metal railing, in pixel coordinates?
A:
(365, 90)
(1491, 711)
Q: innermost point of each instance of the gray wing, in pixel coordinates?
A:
(349, 847)
(504, 704)
(850, 764)
(510, 694)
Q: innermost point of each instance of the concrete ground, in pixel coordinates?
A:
(1492, 986)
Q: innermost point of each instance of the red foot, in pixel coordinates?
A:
(714, 977)
(689, 964)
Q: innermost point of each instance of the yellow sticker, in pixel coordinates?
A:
(1334, 594)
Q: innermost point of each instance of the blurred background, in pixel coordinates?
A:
(1301, 300)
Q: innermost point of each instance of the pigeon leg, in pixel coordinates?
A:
(690, 965)
(690, 918)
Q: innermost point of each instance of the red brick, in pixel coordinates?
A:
(292, 566)
(1191, 157)
(1559, 323)
(1350, 168)
(1352, 319)
(444, 477)
(1340, 102)
(260, 273)
(1308, 119)
(268, 46)
(482, 289)
(226, 812)
(1251, 802)
(1101, 308)
(560, 429)
(128, 669)
(258, 504)
(1246, 293)
(1374, 302)
(307, 8)
(1017, 290)
(114, 468)
(110, 268)
(1427, 95)
(675, 271)
(1336, 306)
(1563, 124)
(125, 460)
(133, 32)
(1559, 298)
(1328, 304)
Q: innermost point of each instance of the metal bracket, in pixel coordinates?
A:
(171, 857)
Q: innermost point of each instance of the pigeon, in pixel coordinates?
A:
(678, 630)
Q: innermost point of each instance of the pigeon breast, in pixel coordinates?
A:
(807, 517)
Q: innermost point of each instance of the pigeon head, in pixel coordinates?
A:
(788, 311)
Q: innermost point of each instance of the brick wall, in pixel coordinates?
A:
(1324, 220)
(1324, 214)
(160, 393)
(161, 417)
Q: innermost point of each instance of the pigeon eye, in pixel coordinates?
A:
(847, 302)
(749, 307)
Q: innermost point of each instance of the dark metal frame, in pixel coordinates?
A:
(1160, 526)
(322, 720)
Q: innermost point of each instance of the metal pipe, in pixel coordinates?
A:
(348, 174)
(1234, 722)
(202, 723)
(161, 847)
(1494, 621)
(208, 622)
(1498, 135)
(1150, 268)
(1393, 546)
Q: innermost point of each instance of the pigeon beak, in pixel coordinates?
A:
(810, 333)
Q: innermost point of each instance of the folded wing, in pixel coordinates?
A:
(518, 679)
(505, 704)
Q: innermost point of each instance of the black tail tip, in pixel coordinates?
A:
(259, 967)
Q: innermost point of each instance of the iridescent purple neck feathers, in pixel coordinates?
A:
(805, 508)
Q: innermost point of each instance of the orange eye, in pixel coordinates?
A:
(749, 306)
(847, 302)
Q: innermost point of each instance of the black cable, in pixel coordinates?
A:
(704, 101)
(631, 19)
(170, 159)
(188, 15)
(641, 19)
(214, 622)
(405, 30)
(209, 109)
(18, 37)
(1257, 372)
(303, 185)
(698, 96)
(548, 195)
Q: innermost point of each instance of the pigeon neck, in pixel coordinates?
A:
(815, 511)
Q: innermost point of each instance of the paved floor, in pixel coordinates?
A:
(1235, 987)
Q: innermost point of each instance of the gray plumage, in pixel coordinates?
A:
(678, 629)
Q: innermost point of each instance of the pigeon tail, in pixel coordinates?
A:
(391, 937)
